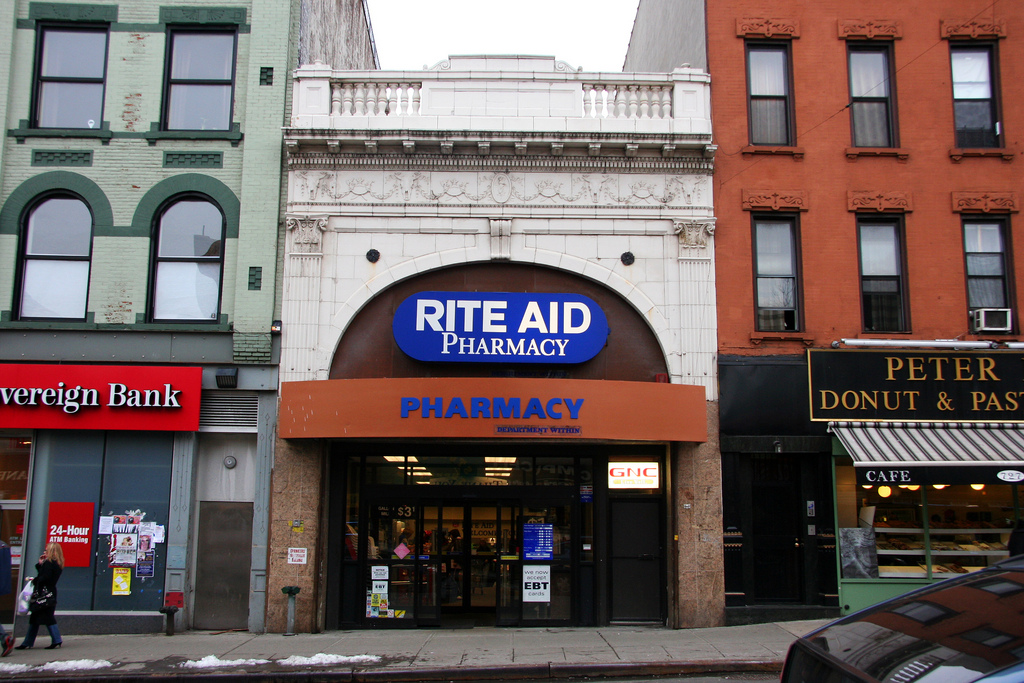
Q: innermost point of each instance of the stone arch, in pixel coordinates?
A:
(145, 212)
(393, 282)
(26, 193)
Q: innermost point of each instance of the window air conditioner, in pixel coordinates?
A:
(991, 320)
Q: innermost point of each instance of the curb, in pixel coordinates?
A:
(539, 672)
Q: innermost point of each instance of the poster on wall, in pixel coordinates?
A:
(122, 581)
(124, 541)
(536, 583)
(71, 525)
(146, 564)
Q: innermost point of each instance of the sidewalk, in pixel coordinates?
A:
(411, 655)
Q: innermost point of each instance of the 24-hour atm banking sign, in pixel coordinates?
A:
(500, 327)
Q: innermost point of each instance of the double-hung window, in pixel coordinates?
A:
(775, 274)
(975, 105)
(55, 257)
(986, 253)
(769, 101)
(872, 113)
(200, 81)
(188, 261)
(71, 67)
(881, 276)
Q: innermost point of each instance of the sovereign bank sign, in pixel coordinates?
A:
(500, 327)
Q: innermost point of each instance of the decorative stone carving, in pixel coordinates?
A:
(985, 202)
(455, 188)
(501, 239)
(774, 200)
(767, 28)
(972, 28)
(694, 233)
(307, 233)
(879, 201)
(857, 29)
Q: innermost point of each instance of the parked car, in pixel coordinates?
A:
(966, 628)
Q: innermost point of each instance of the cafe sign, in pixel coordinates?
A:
(500, 327)
(917, 386)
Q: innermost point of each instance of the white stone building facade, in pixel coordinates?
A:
(510, 170)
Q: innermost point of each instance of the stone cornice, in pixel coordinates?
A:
(891, 202)
(871, 29)
(972, 29)
(774, 200)
(772, 27)
(985, 202)
(566, 164)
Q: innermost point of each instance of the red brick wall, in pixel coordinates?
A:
(935, 275)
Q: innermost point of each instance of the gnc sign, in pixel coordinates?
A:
(633, 475)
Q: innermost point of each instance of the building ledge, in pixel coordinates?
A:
(957, 154)
(902, 154)
(795, 152)
(757, 339)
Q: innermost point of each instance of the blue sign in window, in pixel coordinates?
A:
(538, 541)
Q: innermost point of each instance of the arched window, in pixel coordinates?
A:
(55, 255)
(188, 261)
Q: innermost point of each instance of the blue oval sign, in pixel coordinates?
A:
(500, 327)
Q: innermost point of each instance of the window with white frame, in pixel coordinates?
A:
(199, 89)
(71, 65)
(55, 259)
(188, 261)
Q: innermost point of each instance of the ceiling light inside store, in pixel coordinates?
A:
(913, 487)
(399, 458)
(884, 491)
(939, 486)
(867, 486)
(977, 487)
(499, 458)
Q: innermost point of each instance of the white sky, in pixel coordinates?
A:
(592, 34)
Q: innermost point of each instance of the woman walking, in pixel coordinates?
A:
(48, 570)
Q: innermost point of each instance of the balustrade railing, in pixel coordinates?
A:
(600, 100)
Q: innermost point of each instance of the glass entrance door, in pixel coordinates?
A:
(437, 562)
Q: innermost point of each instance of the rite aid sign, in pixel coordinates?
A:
(160, 398)
(500, 327)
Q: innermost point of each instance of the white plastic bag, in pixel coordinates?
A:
(25, 597)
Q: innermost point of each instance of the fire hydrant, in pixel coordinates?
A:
(291, 592)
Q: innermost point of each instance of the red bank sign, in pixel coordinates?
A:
(140, 397)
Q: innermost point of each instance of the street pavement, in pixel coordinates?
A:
(478, 654)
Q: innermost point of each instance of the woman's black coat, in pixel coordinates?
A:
(47, 574)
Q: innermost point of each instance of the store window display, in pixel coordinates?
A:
(923, 531)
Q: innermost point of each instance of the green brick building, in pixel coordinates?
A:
(140, 223)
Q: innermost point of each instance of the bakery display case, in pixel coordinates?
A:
(928, 532)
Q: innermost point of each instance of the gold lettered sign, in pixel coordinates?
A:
(916, 386)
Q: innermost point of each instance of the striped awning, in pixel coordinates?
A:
(940, 452)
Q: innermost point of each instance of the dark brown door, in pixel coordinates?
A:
(637, 575)
(222, 569)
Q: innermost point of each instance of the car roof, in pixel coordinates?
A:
(967, 628)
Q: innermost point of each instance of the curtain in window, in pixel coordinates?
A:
(869, 90)
(881, 290)
(986, 265)
(58, 244)
(768, 82)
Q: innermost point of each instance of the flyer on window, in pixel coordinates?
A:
(122, 581)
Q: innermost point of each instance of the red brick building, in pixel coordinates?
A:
(866, 187)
